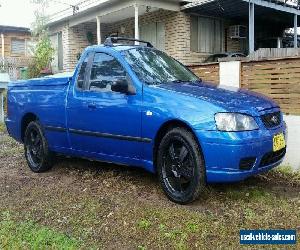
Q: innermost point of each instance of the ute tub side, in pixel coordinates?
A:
(43, 98)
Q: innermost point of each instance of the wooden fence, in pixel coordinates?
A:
(208, 72)
(277, 78)
(13, 65)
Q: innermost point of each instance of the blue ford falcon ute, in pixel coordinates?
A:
(134, 105)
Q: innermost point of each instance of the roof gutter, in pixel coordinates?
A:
(264, 3)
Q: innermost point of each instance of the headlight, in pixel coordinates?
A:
(235, 122)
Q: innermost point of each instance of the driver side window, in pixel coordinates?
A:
(106, 71)
(82, 72)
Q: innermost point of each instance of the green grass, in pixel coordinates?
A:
(286, 170)
(28, 235)
(86, 205)
(286, 174)
(2, 127)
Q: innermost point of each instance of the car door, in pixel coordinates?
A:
(108, 122)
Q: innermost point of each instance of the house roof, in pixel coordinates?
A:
(4, 28)
(275, 10)
(106, 7)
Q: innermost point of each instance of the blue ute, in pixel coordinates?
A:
(135, 105)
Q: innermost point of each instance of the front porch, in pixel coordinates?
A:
(159, 22)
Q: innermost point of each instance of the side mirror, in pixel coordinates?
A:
(122, 86)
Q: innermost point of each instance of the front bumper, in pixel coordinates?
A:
(224, 151)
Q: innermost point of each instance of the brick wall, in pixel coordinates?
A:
(177, 32)
(74, 42)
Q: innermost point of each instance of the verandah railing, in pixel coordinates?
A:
(12, 66)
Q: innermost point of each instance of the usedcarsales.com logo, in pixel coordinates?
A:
(268, 237)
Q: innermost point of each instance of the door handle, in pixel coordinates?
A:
(92, 106)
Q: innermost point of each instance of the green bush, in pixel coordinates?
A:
(2, 127)
(42, 57)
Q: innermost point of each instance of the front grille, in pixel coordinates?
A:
(271, 120)
(272, 157)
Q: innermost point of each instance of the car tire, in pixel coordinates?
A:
(39, 157)
(180, 166)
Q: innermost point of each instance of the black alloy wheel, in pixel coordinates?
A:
(37, 154)
(181, 166)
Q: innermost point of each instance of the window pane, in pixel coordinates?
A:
(210, 35)
(81, 75)
(154, 33)
(218, 46)
(17, 46)
(194, 33)
(160, 37)
(106, 71)
(206, 34)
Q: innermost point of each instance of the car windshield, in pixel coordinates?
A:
(156, 67)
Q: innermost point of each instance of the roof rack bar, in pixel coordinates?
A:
(111, 40)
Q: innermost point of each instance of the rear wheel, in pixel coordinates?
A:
(180, 166)
(37, 154)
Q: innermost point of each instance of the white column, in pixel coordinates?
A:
(251, 27)
(1, 107)
(136, 23)
(295, 31)
(2, 45)
(230, 74)
(98, 30)
(278, 42)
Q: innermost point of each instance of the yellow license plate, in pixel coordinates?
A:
(278, 142)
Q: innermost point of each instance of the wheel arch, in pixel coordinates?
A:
(26, 119)
(164, 129)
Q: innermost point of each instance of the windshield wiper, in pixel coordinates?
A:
(177, 81)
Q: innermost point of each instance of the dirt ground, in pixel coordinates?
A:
(116, 207)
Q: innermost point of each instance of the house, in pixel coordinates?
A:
(16, 50)
(15, 42)
(189, 31)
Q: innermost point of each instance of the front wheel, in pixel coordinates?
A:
(37, 154)
(180, 166)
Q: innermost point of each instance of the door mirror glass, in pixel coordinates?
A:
(123, 86)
